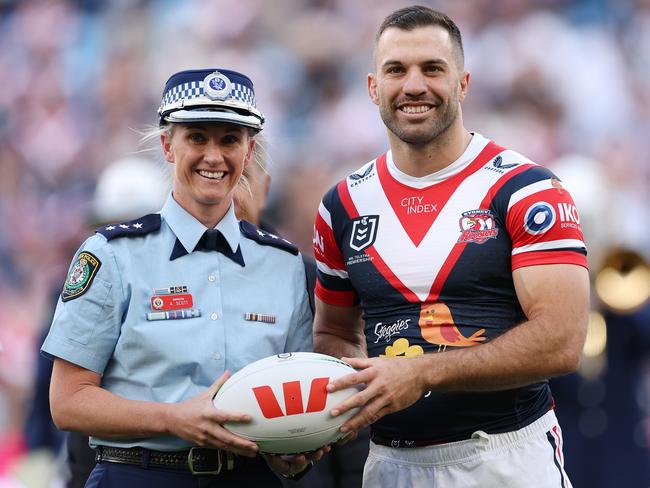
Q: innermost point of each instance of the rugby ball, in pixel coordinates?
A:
(286, 396)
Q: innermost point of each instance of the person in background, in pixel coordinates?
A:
(250, 202)
(125, 189)
(156, 312)
(468, 263)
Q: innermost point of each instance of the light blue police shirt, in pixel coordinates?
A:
(105, 329)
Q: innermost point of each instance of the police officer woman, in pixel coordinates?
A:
(156, 309)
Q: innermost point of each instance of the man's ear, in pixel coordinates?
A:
(372, 88)
(464, 85)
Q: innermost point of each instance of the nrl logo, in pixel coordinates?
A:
(364, 232)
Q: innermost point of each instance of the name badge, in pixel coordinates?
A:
(171, 302)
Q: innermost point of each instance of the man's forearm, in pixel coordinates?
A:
(338, 331)
(528, 353)
(334, 345)
(555, 298)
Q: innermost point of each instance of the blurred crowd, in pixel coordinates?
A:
(567, 83)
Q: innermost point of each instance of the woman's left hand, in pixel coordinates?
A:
(291, 465)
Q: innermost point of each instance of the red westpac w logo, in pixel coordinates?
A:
(292, 398)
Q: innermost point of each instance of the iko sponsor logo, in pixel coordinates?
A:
(415, 205)
(385, 332)
(477, 226)
(498, 166)
(569, 217)
(358, 178)
(364, 232)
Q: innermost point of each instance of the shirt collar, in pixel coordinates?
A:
(188, 230)
(473, 149)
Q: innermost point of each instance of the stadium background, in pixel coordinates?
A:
(567, 83)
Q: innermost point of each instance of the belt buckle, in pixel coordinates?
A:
(98, 454)
(190, 462)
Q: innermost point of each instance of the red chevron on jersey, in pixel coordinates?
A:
(417, 208)
(458, 249)
(394, 253)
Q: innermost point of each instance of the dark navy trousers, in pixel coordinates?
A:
(112, 475)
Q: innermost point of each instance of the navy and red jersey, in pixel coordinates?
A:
(430, 260)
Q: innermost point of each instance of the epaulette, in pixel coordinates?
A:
(133, 228)
(266, 238)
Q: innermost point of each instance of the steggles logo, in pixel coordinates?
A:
(387, 331)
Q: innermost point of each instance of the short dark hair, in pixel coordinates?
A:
(408, 18)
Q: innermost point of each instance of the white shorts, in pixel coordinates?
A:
(530, 457)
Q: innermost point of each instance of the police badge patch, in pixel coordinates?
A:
(81, 276)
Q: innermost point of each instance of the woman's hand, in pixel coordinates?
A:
(199, 422)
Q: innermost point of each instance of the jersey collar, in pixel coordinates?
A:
(475, 146)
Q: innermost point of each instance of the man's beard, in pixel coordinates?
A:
(424, 132)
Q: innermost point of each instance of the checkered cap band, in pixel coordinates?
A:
(194, 89)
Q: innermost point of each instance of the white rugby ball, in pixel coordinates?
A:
(285, 394)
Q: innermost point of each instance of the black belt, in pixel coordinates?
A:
(196, 460)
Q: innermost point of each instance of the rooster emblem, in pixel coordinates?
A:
(437, 327)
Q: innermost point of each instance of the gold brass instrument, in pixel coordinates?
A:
(622, 283)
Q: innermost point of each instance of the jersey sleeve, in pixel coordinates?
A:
(333, 286)
(544, 225)
(87, 319)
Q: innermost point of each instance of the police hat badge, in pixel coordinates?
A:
(210, 95)
(217, 86)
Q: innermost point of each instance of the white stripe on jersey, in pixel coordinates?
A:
(325, 214)
(394, 245)
(543, 246)
(332, 272)
(526, 191)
